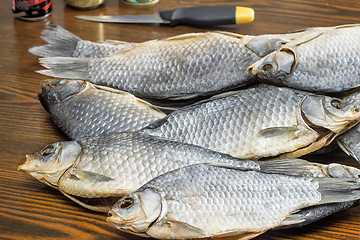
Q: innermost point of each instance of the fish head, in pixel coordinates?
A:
(48, 164)
(137, 211)
(330, 113)
(55, 91)
(274, 66)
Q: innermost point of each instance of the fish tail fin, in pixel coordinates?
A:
(61, 43)
(299, 167)
(338, 190)
(65, 67)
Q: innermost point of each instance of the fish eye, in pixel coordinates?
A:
(336, 103)
(267, 67)
(126, 203)
(47, 150)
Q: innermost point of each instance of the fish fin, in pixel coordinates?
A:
(93, 205)
(277, 131)
(335, 190)
(182, 229)
(302, 151)
(234, 35)
(311, 35)
(140, 101)
(263, 45)
(311, 214)
(346, 149)
(181, 37)
(114, 42)
(65, 67)
(61, 43)
(85, 176)
(299, 167)
(236, 235)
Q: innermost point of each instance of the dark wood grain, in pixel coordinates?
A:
(32, 210)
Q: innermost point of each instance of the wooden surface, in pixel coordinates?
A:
(31, 210)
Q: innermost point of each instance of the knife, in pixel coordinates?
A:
(194, 16)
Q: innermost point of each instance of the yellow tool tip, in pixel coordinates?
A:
(244, 15)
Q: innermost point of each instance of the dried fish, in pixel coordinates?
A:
(324, 61)
(180, 67)
(81, 109)
(200, 201)
(96, 171)
(261, 121)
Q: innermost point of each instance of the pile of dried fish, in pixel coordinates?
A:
(190, 172)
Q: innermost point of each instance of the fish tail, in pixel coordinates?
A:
(61, 43)
(299, 167)
(65, 67)
(335, 190)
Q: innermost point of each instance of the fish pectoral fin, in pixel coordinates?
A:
(87, 176)
(277, 131)
(93, 204)
(181, 229)
(310, 148)
(262, 45)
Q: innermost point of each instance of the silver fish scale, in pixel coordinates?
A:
(328, 63)
(209, 62)
(132, 159)
(94, 112)
(218, 200)
(231, 124)
(87, 49)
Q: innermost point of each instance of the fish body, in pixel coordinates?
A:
(261, 121)
(180, 67)
(350, 140)
(324, 61)
(81, 109)
(62, 43)
(202, 201)
(111, 166)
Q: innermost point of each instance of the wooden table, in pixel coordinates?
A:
(30, 209)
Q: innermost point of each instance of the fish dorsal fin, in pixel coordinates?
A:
(168, 227)
(230, 34)
(181, 37)
(140, 101)
(311, 35)
(114, 42)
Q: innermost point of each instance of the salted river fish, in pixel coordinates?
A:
(95, 171)
(179, 67)
(350, 140)
(201, 201)
(62, 43)
(323, 61)
(81, 109)
(261, 121)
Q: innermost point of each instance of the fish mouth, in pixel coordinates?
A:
(27, 166)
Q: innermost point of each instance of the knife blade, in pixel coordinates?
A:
(194, 16)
